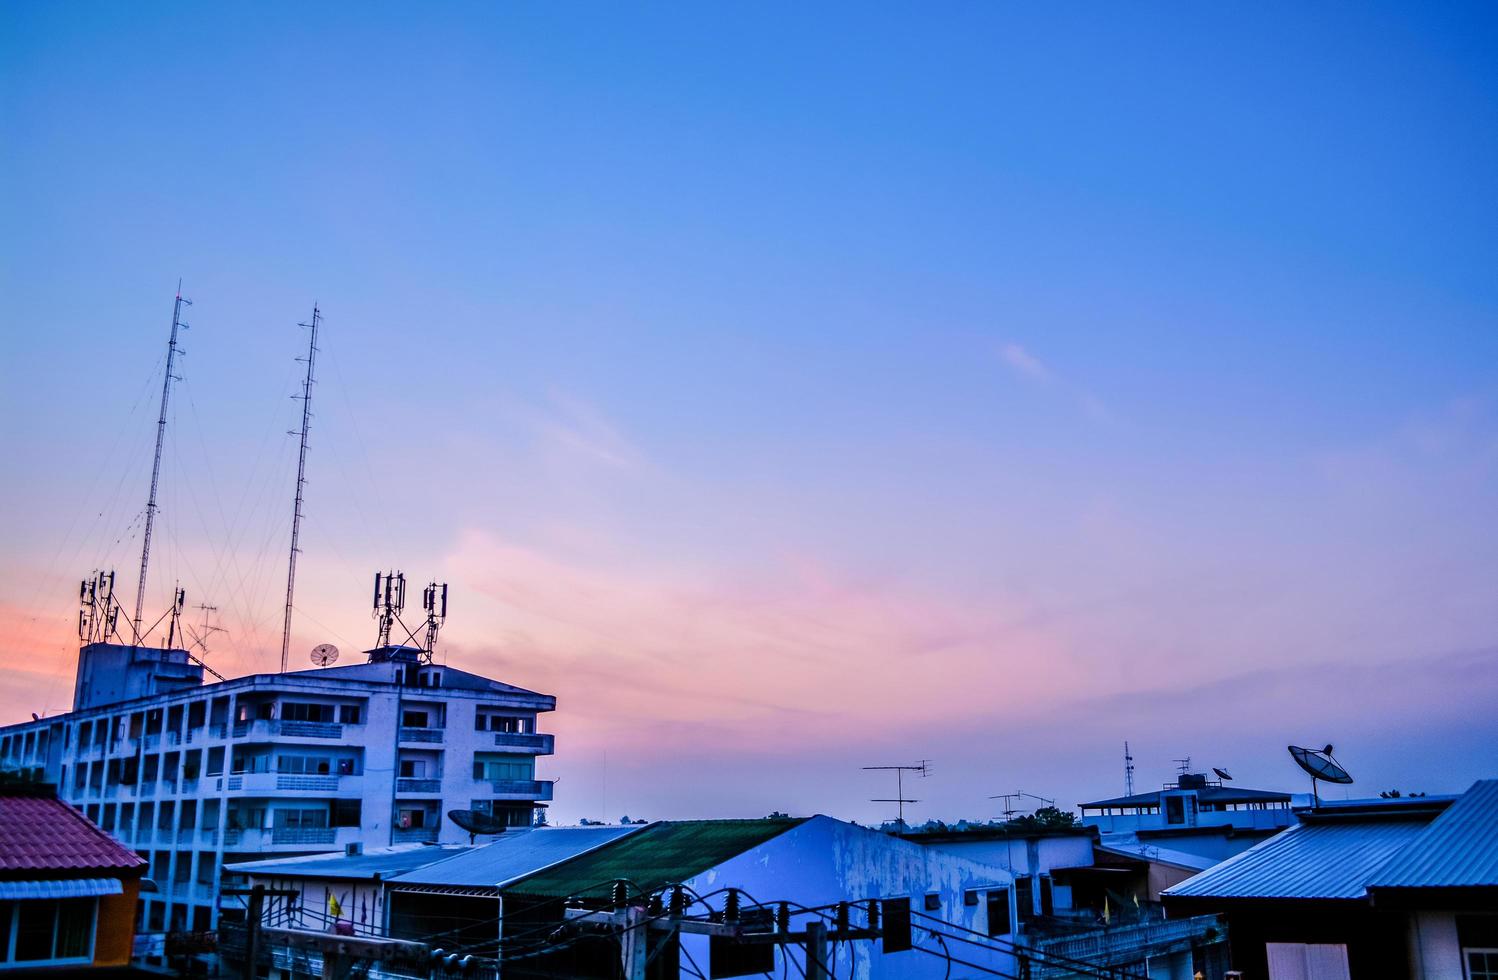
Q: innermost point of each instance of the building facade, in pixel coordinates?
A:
(193, 776)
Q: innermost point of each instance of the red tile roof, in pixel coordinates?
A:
(41, 834)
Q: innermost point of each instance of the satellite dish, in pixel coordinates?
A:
(1221, 773)
(324, 654)
(476, 823)
(1320, 765)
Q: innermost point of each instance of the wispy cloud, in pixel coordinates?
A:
(1025, 363)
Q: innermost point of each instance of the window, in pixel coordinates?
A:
(413, 719)
(47, 932)
(1175, 809)
(413, 768)
(295, 711)
(302, 818)
(1482, 964)
(998, 912)
(348, 714)
(412, 819)
(347, 813)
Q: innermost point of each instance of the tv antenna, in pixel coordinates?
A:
(1128, 771)
(1320, 765)
(1010, 809)
(324, 654)
(199, 636)
(1183, 766)
(99, 610)
(172, 350)
(301, 478)
(921, 769)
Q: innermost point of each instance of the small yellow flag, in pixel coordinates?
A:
(334, 909)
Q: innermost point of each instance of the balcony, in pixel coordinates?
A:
(527, 789)
(421, 735)
(303, 835)
(427, 786)
(315, 838)
(528, 744)
(415, 835)
(265, 729)
(277, 782)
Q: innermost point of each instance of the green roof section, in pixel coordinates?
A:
(662, 854)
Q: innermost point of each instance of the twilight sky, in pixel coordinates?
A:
(788, 390)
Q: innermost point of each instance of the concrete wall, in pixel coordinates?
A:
(825, 860)
(114, 936)
(1023, 856)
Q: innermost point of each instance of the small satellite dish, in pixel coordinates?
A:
(324, 654)
(1320, 765)
(1221, 773)
(476, 823)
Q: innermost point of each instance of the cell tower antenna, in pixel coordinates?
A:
(922, 769)
(1128, 771)
(166, 392)
(301, 480)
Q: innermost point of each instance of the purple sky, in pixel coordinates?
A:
(789, 391)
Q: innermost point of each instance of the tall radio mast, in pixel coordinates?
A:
(301, 480)
(166, 392)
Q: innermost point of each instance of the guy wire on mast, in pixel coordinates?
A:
(166, 391)
(301, 480)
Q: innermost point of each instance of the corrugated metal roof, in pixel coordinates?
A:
(1459, 849)
(382, 861)
(659, 855)
(63, 888)
(513, 855)
(1308, 861)
(41, 833)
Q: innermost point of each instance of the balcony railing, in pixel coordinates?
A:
(418, 785)
(421, 734)
(532, 744)
(321, 783)
(280, 728)
(531, 789)
(303, 835)
(415, 835)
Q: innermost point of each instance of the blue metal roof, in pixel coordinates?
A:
(1459, 849)
(1329, 860)
(382, 861)
(512, 855)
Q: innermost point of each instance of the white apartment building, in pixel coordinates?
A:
(194, 776)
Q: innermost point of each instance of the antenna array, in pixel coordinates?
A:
(390, 602)
(1128, 771)
(99, 610)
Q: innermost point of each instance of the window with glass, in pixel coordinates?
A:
(47, 932)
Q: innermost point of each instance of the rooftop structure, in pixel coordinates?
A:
(67, 889)
(1192, 801)
(1363, 888)
(194, 776)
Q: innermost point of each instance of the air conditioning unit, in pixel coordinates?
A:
(353, 850)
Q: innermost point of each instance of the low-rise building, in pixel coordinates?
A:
(1363, 889)
(68, 891)
(193, 776)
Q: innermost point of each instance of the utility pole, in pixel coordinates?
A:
(166, 393)
(816, 951)
(301, 480)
